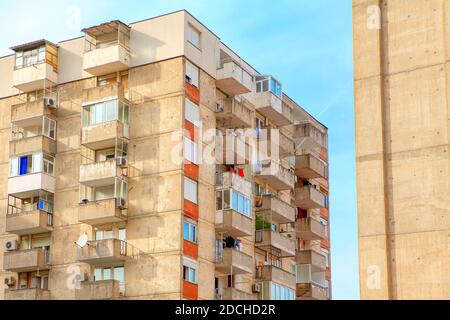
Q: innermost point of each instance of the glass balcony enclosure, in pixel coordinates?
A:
(268, 83)
(106, 111)
(42, 52)
(107, 35)
(33, 127)
(231, 199)
(32, 163)
(118, 189)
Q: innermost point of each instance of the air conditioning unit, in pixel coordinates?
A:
(256, 288)
(121, 162)
(50, 102)
(10, 281)
(218, 108)
(11, 245)
(120, 203)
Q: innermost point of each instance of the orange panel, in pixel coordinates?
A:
(190, 249)
(191, 209)
(325, 244)
(190, 131)
(324, 154)
(193, 93)
(325, 213)
(190, 290)
(191, 170)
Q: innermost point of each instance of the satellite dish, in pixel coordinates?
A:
(82, 240)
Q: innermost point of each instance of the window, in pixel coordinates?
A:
(34, 163)
(190, 190)
(190, 151)
(267, 83)
(105, 112)
(190, 231)
(239, 202)
(278, 292)
(192, 74)
(110, 273)
(49, 128)
(193, 36)
(103, 235)
(192, 113)
(326, 253)
(189, 274)
(30, 57)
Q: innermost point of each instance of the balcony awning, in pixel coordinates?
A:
(32, 45)
(105, 28)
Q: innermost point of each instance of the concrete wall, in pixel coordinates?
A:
(402, 137)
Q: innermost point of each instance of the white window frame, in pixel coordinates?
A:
(192, 228)
(192, 112)
(191, 151)
(190, 190)
(188, 273)
(194, 36)
(193, 73)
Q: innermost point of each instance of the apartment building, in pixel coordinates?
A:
(401, 116)
(149, 161)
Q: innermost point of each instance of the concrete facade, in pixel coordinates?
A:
(401, 116)
(116, 218)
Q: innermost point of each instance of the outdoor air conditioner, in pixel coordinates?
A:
(121, 162)
(11, 245)
(256, 288)
(120, 203)
(10, 281)
(50, 102)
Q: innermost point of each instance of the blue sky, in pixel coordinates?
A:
(307, 45)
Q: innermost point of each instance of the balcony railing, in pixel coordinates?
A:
(26, 260)
(32, 109)
(317, 260)
(104, 171)
(266, 239)
(106, 60)
(235, 147)
(35, 77)
(29, 184)
(309, 197)
(231, 261)
(272, 107)
(100, 290)
(311, 291)
(311, 229)
(232, 113)
(27, 294)
(29, 222)
(277, 210)
(276, 175)
(233, 223)
(309, 137)
(232, 78)
(231, 180)
(26, 145)
(103, 93)
(229, 294)
(309, 166)
(106, 251)
(275, 274)
(101, 212)
(104, 135)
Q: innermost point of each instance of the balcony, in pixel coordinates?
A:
(308, 137)
(104, 135)
(272, 107)
(233, 223)
(229, 294)
(26, 260)
(27, 294)
(232, 114)
(275, 274)
(266, 239)
(231, 261)
(235, 146)
(108, 251)
(311, 291)
(308, 197)
(107, 60)
(28, 185)
(35, 77)
(274, 174)
(232, 78)
(311, 257)
(100, 212)
(230, 180)
(309, 166)
(29, 222)
(32, 144)
(100, 173)
(109, 92)
(31, 109)
(310, 229)
(99, 290)
(277, 209)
